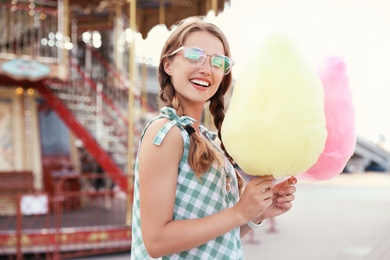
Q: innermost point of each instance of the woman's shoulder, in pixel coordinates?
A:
(167, 125)
(159, 124)
(160, 129)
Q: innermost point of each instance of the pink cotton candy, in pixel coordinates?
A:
(340, 121)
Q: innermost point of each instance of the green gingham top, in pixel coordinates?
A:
(217, 190)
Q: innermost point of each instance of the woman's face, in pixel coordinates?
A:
(195, 83)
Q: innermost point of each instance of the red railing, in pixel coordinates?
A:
(77, 221)
(119, 77)
(88, 140)
(106, 99)
(22, 34)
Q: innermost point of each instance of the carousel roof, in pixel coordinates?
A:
(97, 14)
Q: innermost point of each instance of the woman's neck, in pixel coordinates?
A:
(194, 111)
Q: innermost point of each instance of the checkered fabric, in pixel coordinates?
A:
(217, 190)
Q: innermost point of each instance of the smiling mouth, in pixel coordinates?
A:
(201, 83)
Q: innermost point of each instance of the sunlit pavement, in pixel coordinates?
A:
(346, 218)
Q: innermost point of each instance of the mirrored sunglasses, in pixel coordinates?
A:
(196, 57)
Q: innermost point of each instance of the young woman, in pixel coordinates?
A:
(189, 201)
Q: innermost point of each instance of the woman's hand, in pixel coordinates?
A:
(283, 195)
(256, 198)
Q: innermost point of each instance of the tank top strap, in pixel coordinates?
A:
(170, 113)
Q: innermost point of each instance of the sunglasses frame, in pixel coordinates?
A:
(225, 58)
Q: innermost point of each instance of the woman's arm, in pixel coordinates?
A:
(158, 176)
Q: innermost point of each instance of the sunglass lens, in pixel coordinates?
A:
(228, 65)
(218, 62)
(194, 54)
(221, 63)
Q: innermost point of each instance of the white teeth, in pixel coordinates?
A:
(200, 82)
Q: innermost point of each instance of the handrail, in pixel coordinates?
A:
(26, 7)
(92, 84)
(119, 77)
(22, 35)
(93, 147)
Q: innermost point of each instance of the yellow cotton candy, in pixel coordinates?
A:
(275, 123)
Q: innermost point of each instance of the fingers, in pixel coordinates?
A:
(260, 179)
(292, 181)
(286, 190)
(285, 207)
(285, 187)
(267, 194)
(284, 199)
(285, 195)
(262, 184)
(265, 188)
(289, 182)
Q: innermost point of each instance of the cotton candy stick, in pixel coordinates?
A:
(275, 122)
(340, 121)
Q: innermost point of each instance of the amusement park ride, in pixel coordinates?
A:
(66, 104)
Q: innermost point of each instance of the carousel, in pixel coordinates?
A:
(73, 98)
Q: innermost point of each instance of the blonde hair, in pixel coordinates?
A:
(202, 155)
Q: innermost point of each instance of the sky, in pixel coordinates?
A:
(356, 30)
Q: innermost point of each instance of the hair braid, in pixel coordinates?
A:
(201, 154)
(217, 109)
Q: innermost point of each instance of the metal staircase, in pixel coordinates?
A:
(94, 107)
(96, 112)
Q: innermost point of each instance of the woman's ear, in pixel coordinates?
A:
(167, 66)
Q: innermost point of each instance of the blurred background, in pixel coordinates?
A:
(78, 83)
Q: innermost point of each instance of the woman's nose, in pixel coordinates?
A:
(205, 67)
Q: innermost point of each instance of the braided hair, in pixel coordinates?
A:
(201, 154)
